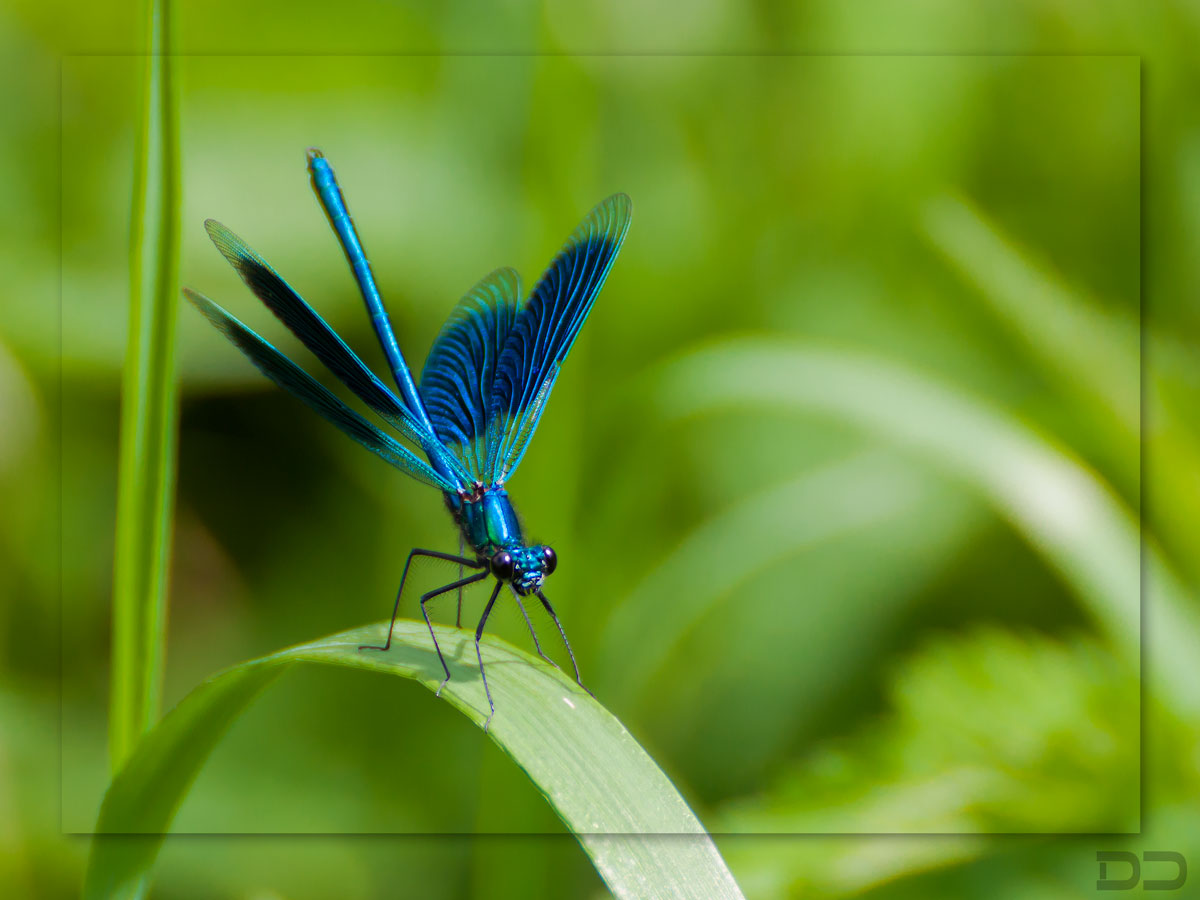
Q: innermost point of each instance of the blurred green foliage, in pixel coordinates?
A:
(815, 623)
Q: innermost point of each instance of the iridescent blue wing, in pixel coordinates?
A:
(297, 382)
(315, 333)
(545, 329)
(457, 379)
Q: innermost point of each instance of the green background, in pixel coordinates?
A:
(906, 657)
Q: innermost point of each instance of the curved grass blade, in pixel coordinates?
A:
(1092, 357)
(642, 837)
(1052, 498)
(748, 538)
(1066, 512)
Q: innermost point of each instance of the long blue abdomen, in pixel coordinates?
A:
(334, 204)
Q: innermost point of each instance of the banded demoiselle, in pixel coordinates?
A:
(479, 400)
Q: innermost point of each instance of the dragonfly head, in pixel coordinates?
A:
(525, 568)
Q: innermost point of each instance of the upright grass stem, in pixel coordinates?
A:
(148, 403)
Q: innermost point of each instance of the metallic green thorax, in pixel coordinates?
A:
(488, 523)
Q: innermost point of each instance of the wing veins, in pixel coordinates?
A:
(308, 390)
(324, 343)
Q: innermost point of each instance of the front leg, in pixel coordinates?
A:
(532, 633)
(479, 654)
(462, 546)
(425, 598)
(566, 643)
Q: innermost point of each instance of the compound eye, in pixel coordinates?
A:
(502, 565)
(550, 559)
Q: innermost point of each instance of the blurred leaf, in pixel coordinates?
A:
(975, 742)
(1171, 439)
(20, 417)
(1093, 357)
(725, 551)
(1061, 507)
(791, 652)
(639, 832)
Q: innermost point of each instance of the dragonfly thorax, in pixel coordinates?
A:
(489, 524)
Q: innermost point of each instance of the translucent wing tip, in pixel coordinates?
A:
(620, 202)
(608, 220)
(235, 250)
(197, 299)
(215, 314)
(616, 209)
(211, 311)
(222, 237)
(502, 283)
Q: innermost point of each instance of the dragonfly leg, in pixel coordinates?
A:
(537, 646)
(566, 643)
(479, 655)
(458, 615)
(425, 598)
(436, 554)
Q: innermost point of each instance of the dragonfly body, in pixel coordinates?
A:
(479, 399)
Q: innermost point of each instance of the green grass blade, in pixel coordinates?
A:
(748, 537)
(1093, 357)
(148, 407)
(642, 837)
